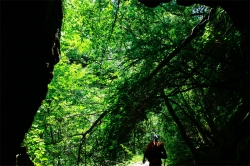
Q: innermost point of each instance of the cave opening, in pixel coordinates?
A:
(88, 82)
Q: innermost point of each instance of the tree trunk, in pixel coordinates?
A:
(179, 124)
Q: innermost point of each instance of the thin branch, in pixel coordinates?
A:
(228, 29)
(88, 131)
(180, 14)
(72, 115)
(193, 87)
(112, 28)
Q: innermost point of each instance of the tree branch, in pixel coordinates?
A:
(88, 131)
(179, 124)
(204, 133)
(195, 32)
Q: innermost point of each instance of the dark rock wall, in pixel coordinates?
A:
(23, 157)
(238, 10)
(29, 50)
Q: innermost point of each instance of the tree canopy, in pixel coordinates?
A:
(128, 71)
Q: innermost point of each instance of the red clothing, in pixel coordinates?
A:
(160, 150)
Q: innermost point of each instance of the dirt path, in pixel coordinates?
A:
(140, 164)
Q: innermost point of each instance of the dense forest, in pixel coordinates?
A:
(128, 71)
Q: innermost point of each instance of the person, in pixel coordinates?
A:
(154, 152)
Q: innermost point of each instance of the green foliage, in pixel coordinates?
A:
(121, 64)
